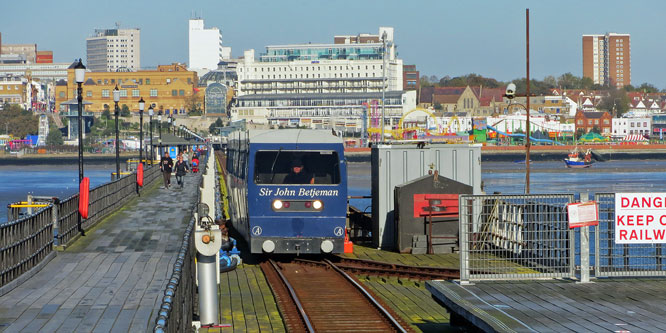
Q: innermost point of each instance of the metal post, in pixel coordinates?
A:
(383, 84)
(79, 98)
(141, 136)
(152, 158)
(116, 112)
(30, 201)
(584, 247)
(208, 300)
(54, 219)
(527, 135)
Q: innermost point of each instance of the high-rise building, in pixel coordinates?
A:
(205, 47)
(607, 59)
(110, 50)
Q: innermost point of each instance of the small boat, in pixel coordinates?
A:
(576, 162)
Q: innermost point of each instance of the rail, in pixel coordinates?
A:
(177, 309)
(26, 242)
(515, 237)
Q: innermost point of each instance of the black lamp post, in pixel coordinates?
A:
(79, 75)
(159, 121)
(142, 104)
(116, 99)
(150, 115)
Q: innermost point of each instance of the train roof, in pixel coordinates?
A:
(293, 136)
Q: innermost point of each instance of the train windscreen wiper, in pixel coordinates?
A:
(273, 166)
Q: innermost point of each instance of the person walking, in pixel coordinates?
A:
(181, 169)
(166, 165)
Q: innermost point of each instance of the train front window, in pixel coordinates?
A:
(277, 167)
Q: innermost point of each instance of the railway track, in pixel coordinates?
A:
(317, 296)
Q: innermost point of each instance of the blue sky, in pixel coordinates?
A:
(441, 37)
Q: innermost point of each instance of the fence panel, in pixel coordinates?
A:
(24, 243)
(622, 260)
(515, 237)
(104, 199)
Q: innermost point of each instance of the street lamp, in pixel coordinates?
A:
(169, 119)
(116, 99)
(142, 104)
(159, 121)
(79, 75)
(150, 114)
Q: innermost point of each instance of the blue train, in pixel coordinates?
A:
(288, 190)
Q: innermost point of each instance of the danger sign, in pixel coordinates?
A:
(640, 218)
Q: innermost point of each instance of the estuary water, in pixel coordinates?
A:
(61, 181)
(545, 177)
(505, 177)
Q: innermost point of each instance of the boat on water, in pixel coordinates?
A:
(575, 161)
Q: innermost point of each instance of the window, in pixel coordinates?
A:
(153, 92)
(62, 94)
(174, 92)
(123, 93)
(135, 92)
(596, 121)
(105, 92)
(272, 167)
(181, 92)
(605, 121)
(88, 93)
(147, 81)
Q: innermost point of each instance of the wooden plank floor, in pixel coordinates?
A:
(616, 305)
(111, 280)
(449, 260)
(412, 302)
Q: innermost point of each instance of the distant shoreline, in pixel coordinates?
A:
(548, 153)
(67, 158)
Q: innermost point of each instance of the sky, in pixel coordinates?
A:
(441, 37)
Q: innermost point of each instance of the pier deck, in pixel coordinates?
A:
(111, 279)
(619, 305)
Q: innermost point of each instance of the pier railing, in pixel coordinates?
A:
(104, 199)
(177, 308)
(26, 242)
(515, 237)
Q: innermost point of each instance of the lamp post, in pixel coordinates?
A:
(142, 104)
(116, 99)
(150, 115)
(383, 83)
(79, 75)
(169, 119)
(159, 122)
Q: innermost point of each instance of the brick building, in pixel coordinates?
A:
(587, 120)
(607, 59)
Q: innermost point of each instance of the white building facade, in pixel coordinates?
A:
(205, 47)
(622, 127)
(110, 50)
(337, 84)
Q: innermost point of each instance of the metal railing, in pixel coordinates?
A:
(611, 259)
(25, 242)
(104, 199)
(515, 237)
(177, 308)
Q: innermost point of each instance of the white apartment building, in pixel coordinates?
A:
(622, 127)
(300, 83)
(110, 50)
(205, 47)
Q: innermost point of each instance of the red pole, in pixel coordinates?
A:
(527, 141)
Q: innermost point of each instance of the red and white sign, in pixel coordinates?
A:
(640, 218)
(583, 214)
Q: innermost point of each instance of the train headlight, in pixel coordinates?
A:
(277, 204)
(268, 246)
(317, 204)
(327, 246)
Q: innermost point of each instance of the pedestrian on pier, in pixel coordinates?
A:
(166, 165)
(181, 169)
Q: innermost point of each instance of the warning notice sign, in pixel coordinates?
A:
(640, 218)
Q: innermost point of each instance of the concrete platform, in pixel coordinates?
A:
(111, 279)
(615, 305)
